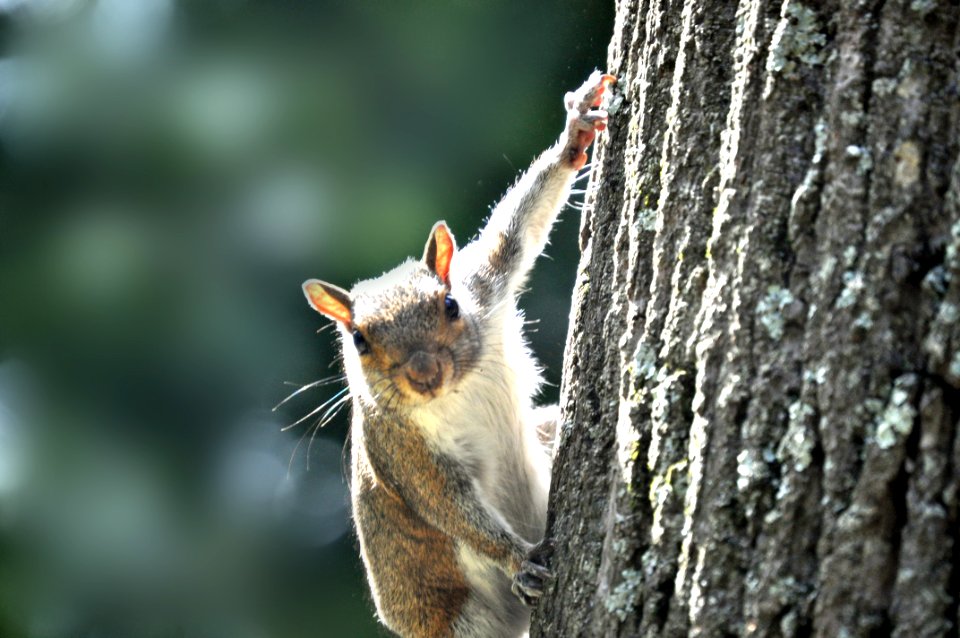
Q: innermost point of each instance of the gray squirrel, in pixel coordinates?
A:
(450, 458)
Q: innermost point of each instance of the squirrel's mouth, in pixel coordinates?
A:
(428, 386)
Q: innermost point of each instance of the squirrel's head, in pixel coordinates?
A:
(409, 335)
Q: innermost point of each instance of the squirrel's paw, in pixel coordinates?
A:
(529, 581)
(583, 118)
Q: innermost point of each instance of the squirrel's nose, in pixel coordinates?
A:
(423, 371)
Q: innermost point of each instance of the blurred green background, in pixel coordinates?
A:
(170, 171)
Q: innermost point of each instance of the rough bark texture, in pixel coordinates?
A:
(762, 379)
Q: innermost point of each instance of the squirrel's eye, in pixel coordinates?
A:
(451, 307)
(360, 342)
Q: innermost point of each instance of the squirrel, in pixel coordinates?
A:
(450, 459)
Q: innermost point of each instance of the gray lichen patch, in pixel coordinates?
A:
(646, 219)
(818, 376)
(644, 362)
(770, 310)
(955, 365)
(616, 102)
(951, 261)
(796, 41)
(936, 281)
(853, 284)
(622, 600)
(849, 256)
(826, 270)
(852, 119)
(863, 321)
(751, 469)
(923, 7)
(896, 421)
(796, 447)
(949, 312)
(884, 86)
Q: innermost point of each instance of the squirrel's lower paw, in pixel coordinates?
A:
(583, 118)
(528, 583)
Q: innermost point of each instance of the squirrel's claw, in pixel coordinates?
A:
(539, 571)
(528, 583)
(590, 94)
(527, 588)
(583, 118)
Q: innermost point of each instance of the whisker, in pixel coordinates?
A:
(315, 410)
(333, 411)
(312, 430)
(325, 381)
(582, 176)
(323, 328)
(293, 455)
(313, 433)
(343, 457)
(322, 421)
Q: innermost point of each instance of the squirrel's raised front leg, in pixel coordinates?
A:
(519, 225)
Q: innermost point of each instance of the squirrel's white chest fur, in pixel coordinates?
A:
(486, 424)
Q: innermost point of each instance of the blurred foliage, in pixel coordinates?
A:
(169, 173)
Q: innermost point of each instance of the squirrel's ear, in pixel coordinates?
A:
(328, 300)
(439, 250)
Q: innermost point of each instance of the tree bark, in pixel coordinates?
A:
(762, 379)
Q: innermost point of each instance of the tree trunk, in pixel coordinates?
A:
(762, 378)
